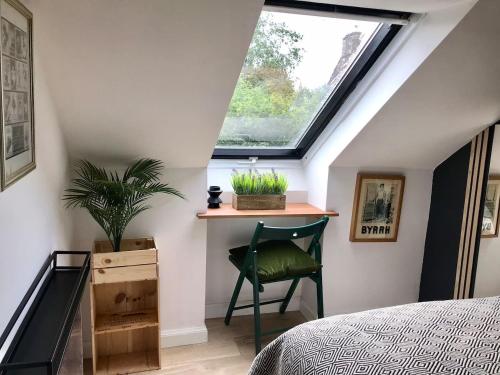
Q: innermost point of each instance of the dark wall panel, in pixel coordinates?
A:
(454, 226)
(444, 227)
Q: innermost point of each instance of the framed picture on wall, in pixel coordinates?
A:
(489, 226)
(377, 208)
(17, 119)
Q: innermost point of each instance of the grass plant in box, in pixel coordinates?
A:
(259, 191)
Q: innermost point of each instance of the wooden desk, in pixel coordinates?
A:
(292, 210)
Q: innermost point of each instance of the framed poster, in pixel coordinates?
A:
(377, 208)
(17, 120)
(489, 226)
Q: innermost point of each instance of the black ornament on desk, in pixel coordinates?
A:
(214, 201)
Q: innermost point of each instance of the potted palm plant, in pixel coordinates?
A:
(113, 199)
(259, 191)
(124, 281)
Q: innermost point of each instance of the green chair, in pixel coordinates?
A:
(277, 259)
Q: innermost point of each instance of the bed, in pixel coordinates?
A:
(445, 337)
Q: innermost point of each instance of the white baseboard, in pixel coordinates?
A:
(183, 336)
(308, 312)
(218, 310)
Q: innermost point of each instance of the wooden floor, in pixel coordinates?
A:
(229, 350)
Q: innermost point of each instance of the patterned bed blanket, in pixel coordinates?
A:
(445, 337)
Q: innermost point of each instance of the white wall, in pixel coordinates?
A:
(360, 276)
(181, 240)
(487, 281)
(33, 221)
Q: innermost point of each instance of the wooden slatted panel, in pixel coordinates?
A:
(470, 220)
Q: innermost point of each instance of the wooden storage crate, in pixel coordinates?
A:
(125, 307)
(259, 202)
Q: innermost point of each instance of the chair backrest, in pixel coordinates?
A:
(314, 230)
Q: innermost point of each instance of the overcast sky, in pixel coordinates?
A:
(322, 42)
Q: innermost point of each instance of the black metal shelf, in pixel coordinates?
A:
(38, 346)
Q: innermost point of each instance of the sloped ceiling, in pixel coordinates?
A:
(143, 78)
(453, 95)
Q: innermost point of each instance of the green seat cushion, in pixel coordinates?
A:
(277, 260)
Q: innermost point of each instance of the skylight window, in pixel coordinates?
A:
(298, 67)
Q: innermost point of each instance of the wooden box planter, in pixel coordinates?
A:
(259, 202)
(124, 303)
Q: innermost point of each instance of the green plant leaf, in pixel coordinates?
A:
(256, 183)
(113, 200)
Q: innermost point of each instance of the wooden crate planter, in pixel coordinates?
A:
(259, 202)
(125, 307)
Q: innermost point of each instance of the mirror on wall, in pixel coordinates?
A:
(487, 282)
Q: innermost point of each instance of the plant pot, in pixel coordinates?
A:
(259, 202)
(132, 252)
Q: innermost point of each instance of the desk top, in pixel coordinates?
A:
(291, 210)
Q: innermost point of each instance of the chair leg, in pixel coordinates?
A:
(234, 297)
(319, 295)
(256, 305)
(289, 295)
